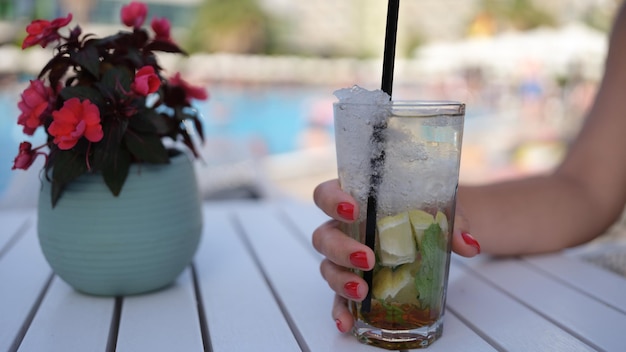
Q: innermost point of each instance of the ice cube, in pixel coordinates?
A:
(358, 95)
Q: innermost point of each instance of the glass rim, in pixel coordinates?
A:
(411, 108)
(406, 102)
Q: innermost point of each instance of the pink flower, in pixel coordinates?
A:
(26, 156)
(190, 91)
(74, 120)
(146, 81)
(161, 28)
(35, 100)
(44, 32)
(134, 14)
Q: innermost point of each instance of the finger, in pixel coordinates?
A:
(341, 249)
(463, 243)
(345, 283)
(341, 314)
(336, 203)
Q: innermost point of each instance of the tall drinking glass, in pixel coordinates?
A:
(404, 157)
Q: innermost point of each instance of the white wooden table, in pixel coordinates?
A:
(255, 286)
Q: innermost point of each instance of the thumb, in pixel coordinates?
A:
(463, 243)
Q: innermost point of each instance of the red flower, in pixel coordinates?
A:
(74, 120)
(190, 91)
(161, 28)
(134, 14)
(146, 81)
(35, 100)
(44, 32)
(25, 157)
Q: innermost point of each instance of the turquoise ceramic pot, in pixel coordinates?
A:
(137, 242)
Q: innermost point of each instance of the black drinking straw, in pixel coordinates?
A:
(377, 160)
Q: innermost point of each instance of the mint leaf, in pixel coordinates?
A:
(429, 279)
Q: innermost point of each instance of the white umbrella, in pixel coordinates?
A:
(556, 49)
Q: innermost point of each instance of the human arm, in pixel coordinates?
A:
(582, 197)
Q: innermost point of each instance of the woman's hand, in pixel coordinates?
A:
(344, 253)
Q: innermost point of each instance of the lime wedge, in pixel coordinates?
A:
(388, 283)
(420, 220)
(396, 240)
(441, 219)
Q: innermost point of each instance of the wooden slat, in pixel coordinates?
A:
(602, 326)
(504, 321)
(457, 334)
(549, 302)
(11, 222)
(602, 284)
(69, 321)
(23, 274)
(293, 271)
(166, 320)
(305, 216)
(241, 311)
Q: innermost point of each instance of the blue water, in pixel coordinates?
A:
(272, 117)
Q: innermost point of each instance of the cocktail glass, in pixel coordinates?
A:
(404, 156)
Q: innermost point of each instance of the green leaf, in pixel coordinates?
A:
(166, 126)
(106, 151)
(429, 279)
(88, 58)
(144, 122)
(136, 57)
(116, 76)
(198, 126)
(58, 67)
(168, 47)
(146, 147)
(82, 92)
(115, 173)
(68, 166)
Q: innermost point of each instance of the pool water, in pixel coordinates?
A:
(269, 119)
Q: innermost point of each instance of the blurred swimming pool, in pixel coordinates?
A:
(267, 119)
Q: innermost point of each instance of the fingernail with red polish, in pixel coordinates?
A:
(346, 210)
(351, 289)
(359, 259)
(339, 327)
(470, 240)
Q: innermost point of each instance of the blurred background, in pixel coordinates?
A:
(527, 70)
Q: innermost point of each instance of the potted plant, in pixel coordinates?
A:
(119, 209)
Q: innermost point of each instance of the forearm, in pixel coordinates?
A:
(584, 195)
(533, 215)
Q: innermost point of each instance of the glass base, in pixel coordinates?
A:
(398, 339)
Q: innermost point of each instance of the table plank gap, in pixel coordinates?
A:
(204, 325)
(161, 320)
(301, 236)
(31, 315)
(288, 318)
(294, 274)
(24, 274)
(68, 320)
(9, 241)
(565, 282)
(521, 299)
(522, 327)
(601, 284)
(468, 323)
(306, 216)
(114, 330)
(233, 289)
